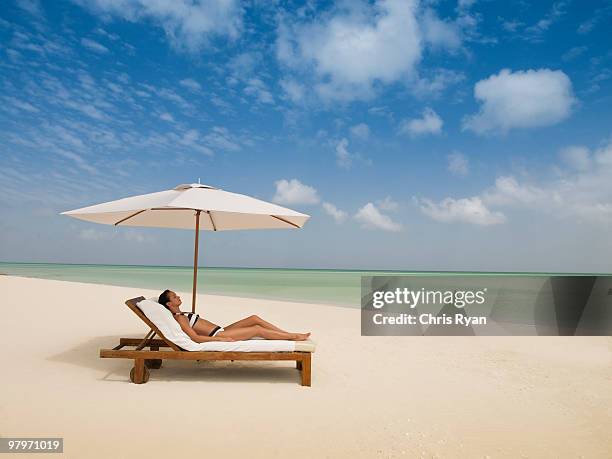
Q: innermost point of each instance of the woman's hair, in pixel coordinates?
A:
(164, 298)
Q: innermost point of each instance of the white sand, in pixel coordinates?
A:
(370, 397)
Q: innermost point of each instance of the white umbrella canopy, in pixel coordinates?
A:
(176, 209)
(192, 206)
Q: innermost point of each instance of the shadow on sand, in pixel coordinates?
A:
(86, 355)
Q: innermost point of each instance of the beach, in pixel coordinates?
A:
(371, 397)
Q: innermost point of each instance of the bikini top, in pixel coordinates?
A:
(182, 312)
(192, 317)
(188, 314)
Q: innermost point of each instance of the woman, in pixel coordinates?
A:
(201, 330)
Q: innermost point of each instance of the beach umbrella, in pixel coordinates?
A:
(192, 206)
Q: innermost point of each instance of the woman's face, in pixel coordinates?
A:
(175, 300)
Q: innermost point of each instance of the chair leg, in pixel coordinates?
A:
(139, 374)
(305, 371)
(154, 364)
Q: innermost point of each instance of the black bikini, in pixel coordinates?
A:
(192, 317)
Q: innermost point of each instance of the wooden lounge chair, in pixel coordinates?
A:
(152, 358)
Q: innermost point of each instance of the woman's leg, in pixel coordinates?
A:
(244, 333)
(254, 320)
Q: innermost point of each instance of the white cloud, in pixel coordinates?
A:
(467, 210)
(581, 193)
(295, 192)
(344, 159)
(31, 6)
(220, 138)
(87, 109)
(465, 3)
(172, 96)
(188, 25)
(507, 191)
(535, 31)
(371, 218)
(574, 52)
(355, 47)
(293, 90)
(512, 26)
(522, 99)
(94, 46)
(458, 164)
(13, 55)
(586, 26)
(67, 138)
(381, 111)
(577, 157)
(127, 234)
(136, 236)
(258, 89)
(351, 50)
(91, 234)
(167, 117)
(361, 131)
(104, 33)
(430, 123)
(78, 160)
(338, 215)
(225, 107)
(243, 65)
(191, 84)
(435, 85)
(439, 33)
(597, 79)
(141, 93)
(114, 87)
(388, 204)
(192, 140)
(28, 107)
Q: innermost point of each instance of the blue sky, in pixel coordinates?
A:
(470, 135)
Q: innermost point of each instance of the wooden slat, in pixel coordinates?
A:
(136, 342)
(201, 355)
(132, 305)
(149, 336)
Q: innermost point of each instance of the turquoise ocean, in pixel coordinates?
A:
(336, 287)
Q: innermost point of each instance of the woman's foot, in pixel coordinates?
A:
(301, 336)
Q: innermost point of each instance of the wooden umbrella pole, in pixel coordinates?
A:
(195, 261)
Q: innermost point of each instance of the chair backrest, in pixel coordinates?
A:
(132, 304)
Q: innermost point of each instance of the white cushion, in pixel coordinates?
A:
(170, 328)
